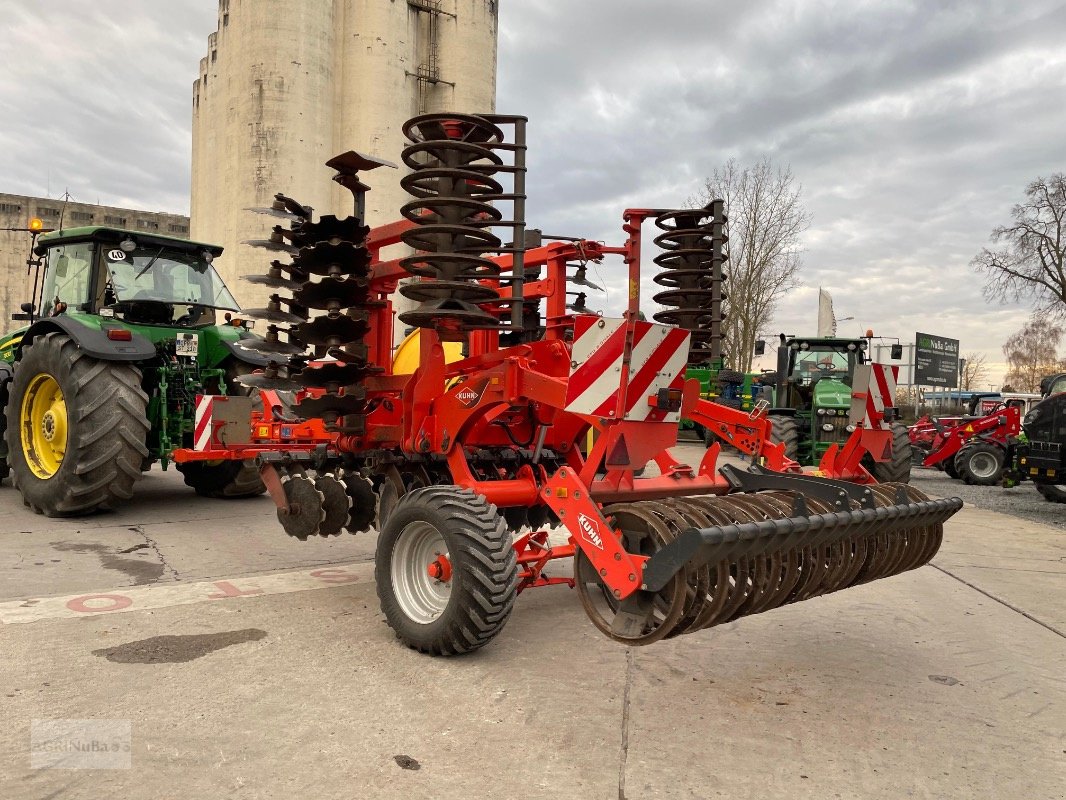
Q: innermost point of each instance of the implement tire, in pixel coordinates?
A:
(227, 479)
(1053, 494)
(786, 431)
(76, 428)
(898, 468)
(466, 606)
(980, 463)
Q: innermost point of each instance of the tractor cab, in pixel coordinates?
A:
(814, 378)
(144, 279)
(1053, 384)
(817, 373)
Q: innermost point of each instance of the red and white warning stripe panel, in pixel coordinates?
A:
(873, 390)
(201, 438)
(658, 359)
(221, 421)
(660, 355)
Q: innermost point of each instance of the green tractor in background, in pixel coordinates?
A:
(102, 383)
(812, 400)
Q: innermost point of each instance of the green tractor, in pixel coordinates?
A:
(102, 382)
(813, 399)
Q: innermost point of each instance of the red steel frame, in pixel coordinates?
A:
(444, 408)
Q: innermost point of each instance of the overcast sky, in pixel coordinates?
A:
(912, 126)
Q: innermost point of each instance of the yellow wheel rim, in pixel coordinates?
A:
(43, 421)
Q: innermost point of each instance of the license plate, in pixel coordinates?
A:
(187, 344)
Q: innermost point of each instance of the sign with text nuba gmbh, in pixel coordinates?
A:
(936, 361)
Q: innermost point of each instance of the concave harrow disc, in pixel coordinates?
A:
(743, 554)
(306, 514)
(335, 504)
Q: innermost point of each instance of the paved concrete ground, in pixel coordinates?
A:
(254, 666)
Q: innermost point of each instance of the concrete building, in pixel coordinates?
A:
(16, 211)
(285, 86)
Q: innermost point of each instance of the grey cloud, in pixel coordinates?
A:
(913, 126)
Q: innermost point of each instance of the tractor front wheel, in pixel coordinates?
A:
(898, 468)
(980, 463)
(227, 479)
(446, 572)
(75, 428)
(786, 431)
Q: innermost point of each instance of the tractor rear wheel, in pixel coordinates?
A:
(1053, 494)
(446, 572)
(786, 431)
(980, 463)
(898, 468)
(76, 428)
(226, 479)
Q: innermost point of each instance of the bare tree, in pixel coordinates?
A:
(1032, 255)
(1032, 353)
(974, 372)
(766, 221)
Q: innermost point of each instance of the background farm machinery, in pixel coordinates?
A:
(464, 462)
(972, 448)
(812, 410)
(102, 380)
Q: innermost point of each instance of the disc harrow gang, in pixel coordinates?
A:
(326, 503)
(329, 273)
(797, 557)
(693, 242)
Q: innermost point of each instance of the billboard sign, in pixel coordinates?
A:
(936, 361)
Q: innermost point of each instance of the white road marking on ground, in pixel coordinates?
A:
(162, 595)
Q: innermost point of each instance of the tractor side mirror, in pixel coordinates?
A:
(61, 266)
(760, 347)
(897, 352)
(27, 313)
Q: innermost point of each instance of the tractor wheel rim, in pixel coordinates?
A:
(983, 465)
(43, 424)
(421, 597)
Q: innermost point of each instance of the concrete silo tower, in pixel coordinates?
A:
(287, 85)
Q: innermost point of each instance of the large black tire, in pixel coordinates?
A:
(103, 408)
(898, 468)
(728, 377)
(950, 469)
(980, 463)
(466, 612)
(226, 479)
(1053, 494)
(786, 431)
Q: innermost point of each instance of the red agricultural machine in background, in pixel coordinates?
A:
(971, 448)
(464, 464)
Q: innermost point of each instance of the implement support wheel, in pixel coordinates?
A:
(446, 572)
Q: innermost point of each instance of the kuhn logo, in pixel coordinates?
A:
(470, 397)
(590, 530)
